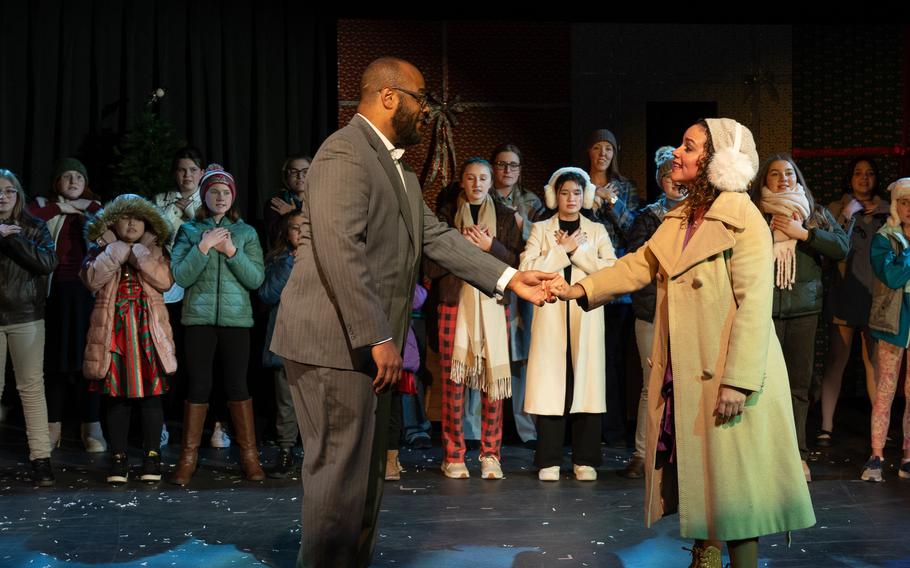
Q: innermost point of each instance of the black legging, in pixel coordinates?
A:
(119, 409)
(585, 427)
(232, 347)
(585, 432)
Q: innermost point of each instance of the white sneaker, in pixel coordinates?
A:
(455, 470)
(220, 438)
(872, 471)
(489, 467)
(93, 438)
(584, 473)
(548, 473)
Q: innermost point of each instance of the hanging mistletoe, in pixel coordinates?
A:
(442, 118)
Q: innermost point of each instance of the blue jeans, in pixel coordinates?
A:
(414, 421)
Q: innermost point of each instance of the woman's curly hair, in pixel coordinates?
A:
(701, 192)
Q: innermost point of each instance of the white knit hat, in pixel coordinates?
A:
(735, 159)
(898, 189)
(549, 191)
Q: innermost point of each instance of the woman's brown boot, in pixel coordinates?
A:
(193, 421)
(245, 434)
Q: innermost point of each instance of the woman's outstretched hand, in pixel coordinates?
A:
(559, 288)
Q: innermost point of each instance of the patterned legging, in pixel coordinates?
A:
(453, 400)
(889, 364)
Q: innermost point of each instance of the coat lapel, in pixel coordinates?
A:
(415, 202)
(715, 235)
(550, 232)
(385, 160)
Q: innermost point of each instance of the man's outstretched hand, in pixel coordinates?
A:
(532, 285)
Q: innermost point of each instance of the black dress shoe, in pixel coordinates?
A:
(284, 464)
(420, 443)
(42, 474)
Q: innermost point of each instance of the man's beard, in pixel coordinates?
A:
(405, 126)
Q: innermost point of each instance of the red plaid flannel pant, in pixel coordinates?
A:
(453, 400)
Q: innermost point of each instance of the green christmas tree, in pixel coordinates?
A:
(144, 153)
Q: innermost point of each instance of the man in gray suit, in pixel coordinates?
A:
(345, 309)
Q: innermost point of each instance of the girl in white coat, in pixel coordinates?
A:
(566, 363)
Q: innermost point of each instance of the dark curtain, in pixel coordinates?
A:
(247, 82)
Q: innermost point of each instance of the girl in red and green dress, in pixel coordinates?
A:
(130, 345)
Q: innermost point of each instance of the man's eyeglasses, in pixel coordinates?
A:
(291, 172)
(507, 165)
(421, 98)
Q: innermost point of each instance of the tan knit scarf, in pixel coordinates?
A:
(480, 358)
(785, 203)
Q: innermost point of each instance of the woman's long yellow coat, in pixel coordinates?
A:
(713, 325)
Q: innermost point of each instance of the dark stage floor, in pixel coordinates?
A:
(427, 520)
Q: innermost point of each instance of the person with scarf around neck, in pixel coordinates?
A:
(805, 234)
(890, 257)
(566, 365)
(861, 212)
(721, 445)
(647, 220)
(130, 345)
(27, 257)
(507, 162)
(473, 328)
(615, 201)
(69, 304)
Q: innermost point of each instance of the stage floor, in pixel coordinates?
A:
(427, 520)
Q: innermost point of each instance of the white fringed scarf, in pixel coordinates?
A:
(785, 203)
(480, 358)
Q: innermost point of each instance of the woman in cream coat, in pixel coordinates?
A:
(565, 380)
(721, 439)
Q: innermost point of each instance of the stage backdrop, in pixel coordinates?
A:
(246, 82)
(500, 82)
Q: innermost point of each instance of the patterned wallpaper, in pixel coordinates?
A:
(847, 93)
(514, 80)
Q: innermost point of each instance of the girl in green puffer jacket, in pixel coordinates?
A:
(218, 260)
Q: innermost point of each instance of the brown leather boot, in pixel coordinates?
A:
(193, 421)
(245, 434)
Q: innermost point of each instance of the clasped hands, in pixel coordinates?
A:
(218, 239)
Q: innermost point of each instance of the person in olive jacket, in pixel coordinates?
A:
(218, 261)
(27, 257)
(804, 233)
